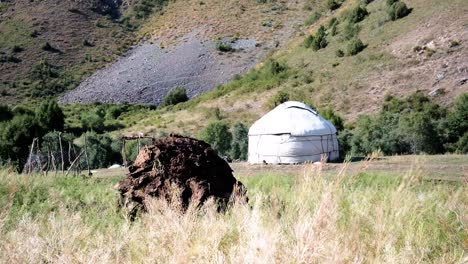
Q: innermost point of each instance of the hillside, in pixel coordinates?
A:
(425, 51)
(48, 47)
(183, 48)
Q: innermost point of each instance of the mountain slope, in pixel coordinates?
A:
(49, 46)
(424, 51)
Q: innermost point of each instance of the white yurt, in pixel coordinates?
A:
(292, 133)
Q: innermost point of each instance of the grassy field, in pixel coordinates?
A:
(335, 213)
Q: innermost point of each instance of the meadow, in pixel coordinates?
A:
(355, 212)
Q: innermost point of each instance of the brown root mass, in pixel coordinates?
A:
(178, 166)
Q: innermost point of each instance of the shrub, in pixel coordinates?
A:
(339, 53)
(93, 121)
(333, 4)
(354, 47)
(332, 26)
(273, 67)
(318, 41)
(391, 2)
(223, 46)
(218, 136)
(102, 151)
(330, 115)
(175, 96)
(279, 98)
(398, 10)
(17, 49)
(313, 18)
(350, 30)
(357, 14)
(240, 142)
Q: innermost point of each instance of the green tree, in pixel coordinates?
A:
(457, 123)
(93, 120)
(50, 116)
(240, 142)
(175, 96)
(102, 152)
(218, 136)
(330, 115)
(16, 138)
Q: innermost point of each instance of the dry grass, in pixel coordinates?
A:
(350, 217)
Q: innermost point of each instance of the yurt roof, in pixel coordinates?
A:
(294, 118)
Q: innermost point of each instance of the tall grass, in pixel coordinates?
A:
(351, 216)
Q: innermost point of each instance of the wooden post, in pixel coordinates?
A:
(48, 160)
(69, 152)
(73, 163)
(38, 156)
(61, 150)
(86, 154)
(124, 156)
(28, 162)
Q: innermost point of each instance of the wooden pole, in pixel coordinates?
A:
(69, 152)
(86, 154)
(73, 163)
(48, 159)
(124, 156)
(61, 150)
(30, 155)
(38, 156)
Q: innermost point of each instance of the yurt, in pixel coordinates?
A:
(292, 133)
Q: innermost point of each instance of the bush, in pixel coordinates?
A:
(333, 4)
(357, 14)
(102, 151)
(339, 53)
(240, 142)
(93, 120)
(398, 10)
(411, 125)
(330, 115)
(218, 136)
(175, 96)
(354, 47)
(313, 18)
(279, 98)
(350, 30)
(223, 46)
(318, 41)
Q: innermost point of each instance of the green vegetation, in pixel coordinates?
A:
(398, 10)
(223, 46)
(313, 18)
(175, 96)
(357, 14)
(217, 134)
(359, 214)
(354, 47)
(411, 125)
(240, 142)
(317, 41)
(333, 4)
